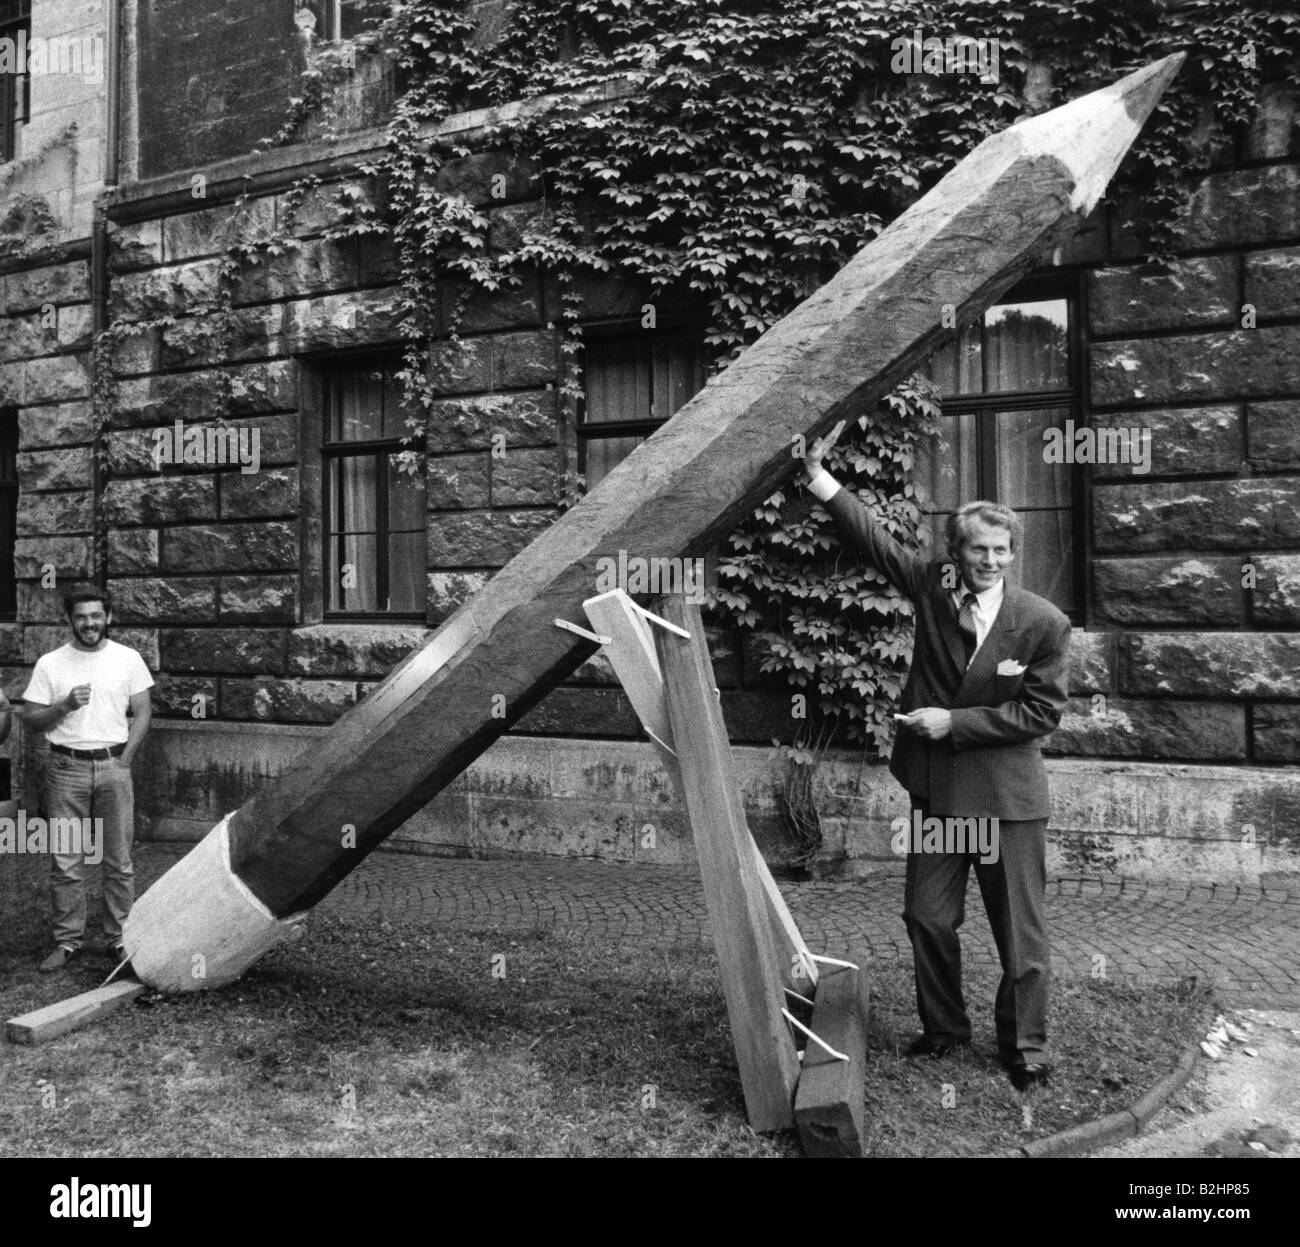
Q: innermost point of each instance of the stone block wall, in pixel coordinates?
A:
(1184, 674)
(555, 797)
(1196, 564)
(214, 557)
(62, 147)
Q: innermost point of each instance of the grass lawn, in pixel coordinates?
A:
(404, 1041)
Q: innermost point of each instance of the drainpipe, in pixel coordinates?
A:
(99, 274)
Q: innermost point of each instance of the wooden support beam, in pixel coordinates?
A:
(748, 960)
(829, 1105)
(631, 652)
(67, 1015)
(1014, 199)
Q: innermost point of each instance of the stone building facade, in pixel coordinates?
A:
(1178, 756)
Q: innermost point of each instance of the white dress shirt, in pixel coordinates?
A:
(985, 610)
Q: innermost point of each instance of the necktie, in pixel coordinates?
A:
(966, 622)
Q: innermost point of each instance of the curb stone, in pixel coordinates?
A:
(1125, 1123)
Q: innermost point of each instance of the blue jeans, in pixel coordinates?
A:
(84, 788)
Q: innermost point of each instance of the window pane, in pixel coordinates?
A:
(395, 408)
(945, 471)
(406, 509)
(956, 368)
(406, 572)
(357, 406)
(8, 510)
(330, 19)
(1027, 346)
(617, 381)
(604, 454)
(641, 377)
(678, 375)
(1024, 479)
(931, 530)
(9, 446)
(355, 558)
(1045, 564)
(353, 18)
(354, 492)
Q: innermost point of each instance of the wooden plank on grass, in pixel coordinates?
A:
(748, 960)
(67, 1015)
(829, 1108)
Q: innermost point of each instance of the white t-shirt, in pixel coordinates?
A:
(115, 674)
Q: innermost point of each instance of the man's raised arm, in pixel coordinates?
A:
(904, 570)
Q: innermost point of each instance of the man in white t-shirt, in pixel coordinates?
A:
(78, 696)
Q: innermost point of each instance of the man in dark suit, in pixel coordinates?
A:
(988, 680)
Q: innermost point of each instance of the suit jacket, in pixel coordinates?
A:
(991, 766)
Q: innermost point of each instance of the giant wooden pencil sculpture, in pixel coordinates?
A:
(1012, 200)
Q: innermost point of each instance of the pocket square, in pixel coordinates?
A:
(1009, 666)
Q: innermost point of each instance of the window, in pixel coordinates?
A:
(15, 98)
(1003, 382)
(373, 514)
(632, 384)
(8, 511)
(329, 19)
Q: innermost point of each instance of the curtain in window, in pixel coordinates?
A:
(1026, 347)
(644, 379)
(407, 540)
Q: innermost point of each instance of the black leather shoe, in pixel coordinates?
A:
(1025, 1076)
(59, 958)
(935, 1048)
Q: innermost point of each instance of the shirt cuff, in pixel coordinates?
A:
(823, 486)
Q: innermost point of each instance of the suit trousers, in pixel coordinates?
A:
(1013, 889)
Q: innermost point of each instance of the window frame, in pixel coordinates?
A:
(986, 408)
(10, 491)
(381, 450)
(334, 15)
(15, 89)
(679, 328)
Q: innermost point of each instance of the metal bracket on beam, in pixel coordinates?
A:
(821, 1043)
(662, 745)
(663, 623)
(832, 961)
(582, 632)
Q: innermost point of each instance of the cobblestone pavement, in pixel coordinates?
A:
(1245, 942)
